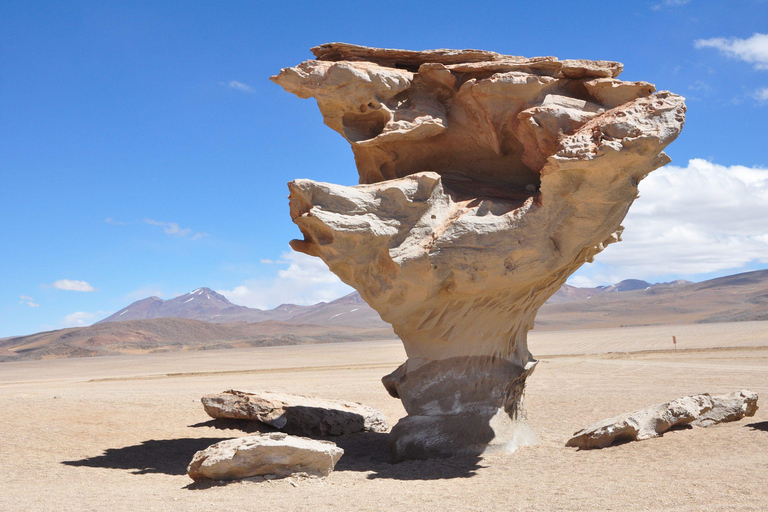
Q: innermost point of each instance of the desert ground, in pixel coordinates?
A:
(116, 433)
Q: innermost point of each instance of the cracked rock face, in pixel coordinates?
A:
(486, 180)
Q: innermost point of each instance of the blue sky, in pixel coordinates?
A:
(143, 150)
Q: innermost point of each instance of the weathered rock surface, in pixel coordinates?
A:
(701, 410)
(296, 414)
(727, 408)
(486, 181)
(275, 453)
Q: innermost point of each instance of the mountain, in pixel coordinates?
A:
(628, 302)
(204, 319)
(173, 334)
(200, 304)
(207, 305)
(627, 285)
(740, 297)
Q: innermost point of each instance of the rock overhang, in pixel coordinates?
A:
(490, 118)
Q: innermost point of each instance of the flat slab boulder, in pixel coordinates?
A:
(701, 410)
(275, 453)
(296, 414)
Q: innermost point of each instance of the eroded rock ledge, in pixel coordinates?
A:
(486, 180)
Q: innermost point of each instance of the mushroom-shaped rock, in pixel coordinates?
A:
(274, 453)
(486, 180)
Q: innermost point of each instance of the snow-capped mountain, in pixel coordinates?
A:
(200, 304)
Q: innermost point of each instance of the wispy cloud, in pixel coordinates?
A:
(29, 301)
(700, 86)
(172, 228)
(238, 86)
(306, 281)
(73, 286)
(669, 3)
(110, 220)
(79, 319)
(761, 95)
(753, 50)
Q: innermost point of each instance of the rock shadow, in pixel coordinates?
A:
(369, 452)
(167, 456)
(761, 425)
(247, 426)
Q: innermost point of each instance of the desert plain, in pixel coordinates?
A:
(117, 432)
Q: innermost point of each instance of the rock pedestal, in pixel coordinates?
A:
(486, 180)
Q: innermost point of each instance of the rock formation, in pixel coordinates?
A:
(275, 453)
(486, 180)
(296, 414)
(726, 408)
(699, 410)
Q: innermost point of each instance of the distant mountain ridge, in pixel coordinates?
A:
(209, 306)
(628, 302)
(221, 324)
(739, 297)
(174, 334)
(200, 304)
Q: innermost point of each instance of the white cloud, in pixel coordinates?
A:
(690, 220)
(172, 228)
(700, 86)
(753, 50)
(110, 220)
(669, 3)
(306, 281)
(239, 86)
(73, 286)
(584, 281)
(267, 262)
(761, 95)
(29, 301)
(79, 319)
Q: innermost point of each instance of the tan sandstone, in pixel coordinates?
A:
(274, 453)
(296, 414)
(486, 180)
(700, 410)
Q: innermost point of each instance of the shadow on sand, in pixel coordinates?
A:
(363, 452)
(761, 425)
(168, 456)
(369, 452)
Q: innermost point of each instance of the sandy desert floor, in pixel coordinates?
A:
(116, 433)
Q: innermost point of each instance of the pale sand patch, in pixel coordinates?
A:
(116, 433)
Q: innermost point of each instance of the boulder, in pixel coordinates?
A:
(701, 410)
(275, 453)
(727, 408)
(486, 180)
(296, 414)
